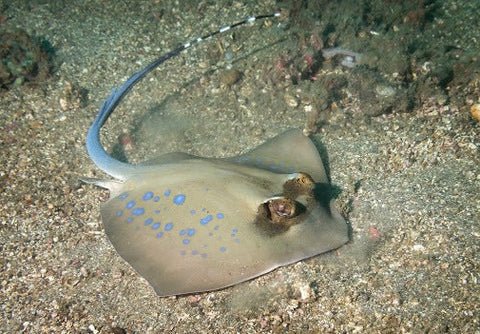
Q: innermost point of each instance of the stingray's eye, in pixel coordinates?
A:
(298, 184)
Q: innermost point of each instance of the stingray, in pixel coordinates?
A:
(189, 224)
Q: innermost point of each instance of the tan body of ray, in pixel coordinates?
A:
(189, 224)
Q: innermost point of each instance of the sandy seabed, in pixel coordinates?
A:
(409, 181)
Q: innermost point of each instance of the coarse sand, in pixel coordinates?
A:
(402, 147)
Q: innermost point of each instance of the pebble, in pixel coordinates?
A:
(475, 111)
(229, 77)
(418, 248)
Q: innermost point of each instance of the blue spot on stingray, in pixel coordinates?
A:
(159, 234)
(223, 249)
(234, 230)
(167, 192)
(148, 195)
(119, 213)
(179, 199)
(237, 240)
(182, 232)
(148, 221)
(291, 169)
(194, 252)
(138, 211)
(183, 252)
(216, 227)
(155, 226)
(203, 255)
(192, 212)
(190, 232)
(123, 196)
(186, 241)
(273, 167)
(130, 204)
(129, 219)
(169, 226)
(220, 215)
(206, 220)
(157, 211)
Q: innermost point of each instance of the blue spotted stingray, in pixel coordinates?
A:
(190, 224)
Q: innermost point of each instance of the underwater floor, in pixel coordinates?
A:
(391, 90)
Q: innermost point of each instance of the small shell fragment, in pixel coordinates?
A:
(291, 100)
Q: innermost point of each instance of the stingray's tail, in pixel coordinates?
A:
(100, 157)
